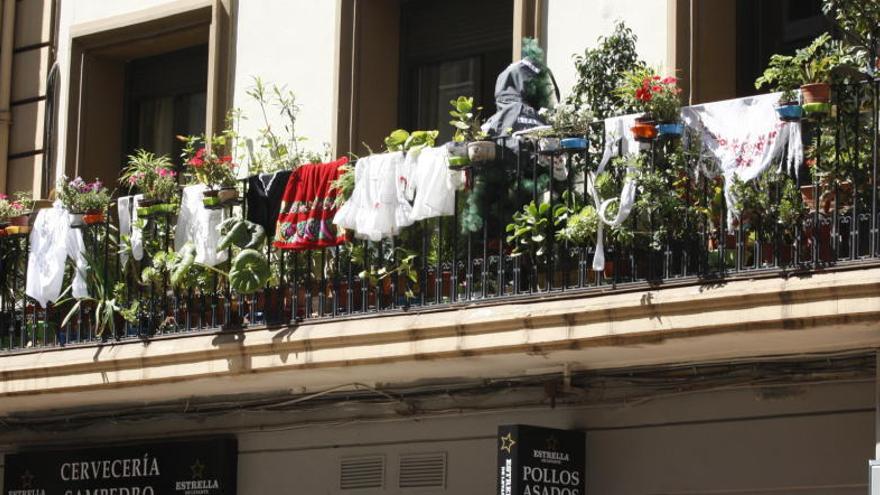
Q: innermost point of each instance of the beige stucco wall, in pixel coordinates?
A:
(799, 440)
(570, 26)
(292, 43)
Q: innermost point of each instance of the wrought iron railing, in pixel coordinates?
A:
(466, 259)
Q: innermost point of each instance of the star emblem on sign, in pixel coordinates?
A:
(198, 470)
(27, 480)
(507, 442)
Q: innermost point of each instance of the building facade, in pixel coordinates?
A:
(757, 381)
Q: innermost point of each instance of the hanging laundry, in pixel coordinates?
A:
(371, 211)
(52, 241)
(744, 136)
(264, 195)
(618, 140)
(432, 185)
(127, 206)
(199, 226)
(308, 208)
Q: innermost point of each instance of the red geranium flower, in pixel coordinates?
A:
(198, 160)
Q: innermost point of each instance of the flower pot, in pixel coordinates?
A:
(481, 151)
(93, 217)
(644, 131)
(816, 93)
(548, 144)
(817, 108)
(458, 154)
(20, 220)
(76, 219)
(671, 129)
(17, 229)
(211, 197)
(227, 194)
(790, 112)
(574, 143)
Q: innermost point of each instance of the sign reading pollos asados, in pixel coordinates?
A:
(198, 467)
(541, 461)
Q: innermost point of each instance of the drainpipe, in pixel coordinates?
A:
(7, 26)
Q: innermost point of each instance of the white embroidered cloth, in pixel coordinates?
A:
(127, 207)
(745, 135)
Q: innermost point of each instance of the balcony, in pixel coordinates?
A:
(674, 269)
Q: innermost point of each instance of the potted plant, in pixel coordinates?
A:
(466, 121)
(403, 140)
(155, 178)
(817, 61)
(212, 165)
(15, 213)
(571, 123)
(655, 96)
(85, 201)
(783, 74)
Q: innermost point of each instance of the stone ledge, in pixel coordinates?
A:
(503, 333)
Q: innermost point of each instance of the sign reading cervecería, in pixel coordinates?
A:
(201, 467)
(541, 461)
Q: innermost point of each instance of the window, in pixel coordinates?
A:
(139, 79)
(166, 97)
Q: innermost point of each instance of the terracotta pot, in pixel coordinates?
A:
(93, 217)
(644, 130)
(816, 93)
(227, 194)
(20, 221)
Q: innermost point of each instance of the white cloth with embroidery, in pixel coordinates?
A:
(127, 206)
(372, 210)
(52, 241)
(744, 136)
(199, 226)
(618, 140)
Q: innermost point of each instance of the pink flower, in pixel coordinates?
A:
(198, 160)
(656, 89)
(3, 196)
(656, 78)
(669, 80)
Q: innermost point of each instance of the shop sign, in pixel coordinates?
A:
(540, 461)
(199, 467)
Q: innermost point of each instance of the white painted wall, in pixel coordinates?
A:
(573, 25)
(292, 43)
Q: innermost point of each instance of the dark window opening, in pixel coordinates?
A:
(445, 54)
(765, 27)
(166, 96)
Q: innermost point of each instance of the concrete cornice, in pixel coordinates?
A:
(820, 313)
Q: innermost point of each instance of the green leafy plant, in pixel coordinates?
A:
(403, 140)
(782, 74)
(19, 204)
(599, 73)
(858, 21)
(576, 224)
(529, 230)
(277, 146)
(152, 175)
(466, 120)
(645, 90)
(209, 158)
(568, 119)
